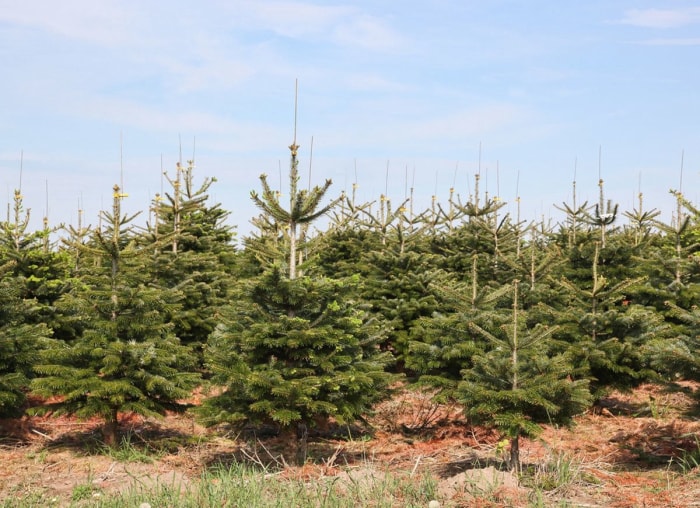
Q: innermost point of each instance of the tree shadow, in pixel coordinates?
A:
(137, 441)
(653, 444)
(265, 448)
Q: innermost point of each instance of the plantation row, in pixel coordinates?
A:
(521, 323)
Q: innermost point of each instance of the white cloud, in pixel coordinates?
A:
(338, 24)
(289, 19)
(105, 22)
(399, 127)
(662, 18)
(374, 83)
(368, 32)
(690, 41)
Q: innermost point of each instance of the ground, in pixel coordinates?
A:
(635, 449)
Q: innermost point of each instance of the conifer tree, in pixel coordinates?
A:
(518, 382)
(303, 206)
(576, 215)
(294, 348)
(674, 275)
(126, 357)
(606, 334)
(397, 272)
(442, 346)
(480, 230)
(293, 352)
(678, 356)
(192, 252)
(30, 281)
(21, 340)
(41, 272)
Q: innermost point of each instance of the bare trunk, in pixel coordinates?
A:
(295, 443)
(109, 430)
(515, 454)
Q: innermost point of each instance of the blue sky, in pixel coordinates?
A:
(411, 88)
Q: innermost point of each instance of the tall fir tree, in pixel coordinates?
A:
(294, 348)
(126, 357)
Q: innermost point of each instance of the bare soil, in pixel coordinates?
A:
(636, 449)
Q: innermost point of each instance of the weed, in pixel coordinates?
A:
(38, 457)
(128, 452)
(689, 461)
(558, 474)
(84, 491)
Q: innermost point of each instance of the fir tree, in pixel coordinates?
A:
(679, 356)
(519, 383)
(192, 252)
(127, 358)
(21, 341)
(295, 347)
(303, 207)
(673, 268)
(443, 345)
(41, 272)
(606, 334)
(295, 351)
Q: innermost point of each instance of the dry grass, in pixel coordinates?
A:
(641, 449)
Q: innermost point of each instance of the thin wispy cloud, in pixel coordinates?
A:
(370, 33)
(689, 41)
(375, 83)
(107, 22)
(289, 19)
(662, 18)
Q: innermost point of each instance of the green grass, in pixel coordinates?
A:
(238, 485)
(559, 473)
(241, 486)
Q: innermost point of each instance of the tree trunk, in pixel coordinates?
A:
(515, 454)
(295, 439)
(109, 430)
(302, 437)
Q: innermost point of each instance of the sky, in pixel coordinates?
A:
(530, 94)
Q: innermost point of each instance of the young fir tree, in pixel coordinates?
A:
(518, 382)
(126, 358)
(678, 356)
(298, 351)
(397, 273)
(21, 340)
(605, 333)
(674, 274)
(294, 348)
(41, 272)
(192, 251)
(480, 230)
(442, 346)
(31, 278)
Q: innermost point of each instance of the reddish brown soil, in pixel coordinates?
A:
(637, 449)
